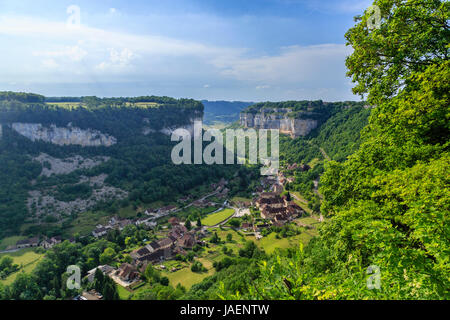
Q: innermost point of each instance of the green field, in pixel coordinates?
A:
(27, 259)
(142, 104)
(218, 217)
(240, 199)
(67, 105)
(186, 277)
(236, 237)
(308, 220)
(213, 253)
(270, 243)
(301, 202)
(124, 294)
(186, 212)
(86, 222)
(127, 212)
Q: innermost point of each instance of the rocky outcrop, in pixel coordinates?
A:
(64, 136)
(51, 165)
(42, 202)
(279, 119)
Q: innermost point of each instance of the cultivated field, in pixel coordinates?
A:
(218, 217)
(27, 260)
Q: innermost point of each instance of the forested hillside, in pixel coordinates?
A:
(337, 139)
(138, 163)
(340, 135)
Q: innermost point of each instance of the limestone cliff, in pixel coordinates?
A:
(279, 119)
(64, 135)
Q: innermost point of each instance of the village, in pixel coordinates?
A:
(270, 208)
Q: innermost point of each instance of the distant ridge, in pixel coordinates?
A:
(223, 111)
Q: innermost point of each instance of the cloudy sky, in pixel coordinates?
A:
(254, 50)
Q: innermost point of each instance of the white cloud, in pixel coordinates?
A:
(87, 55)
(98, 51)
(294, 64)
(58, 31)
(123, 57)
(117, 59)
(50, 64)
(73, 53)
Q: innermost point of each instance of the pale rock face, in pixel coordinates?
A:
(67, 165)
(286, 125)
(64, 136)
(41, 200)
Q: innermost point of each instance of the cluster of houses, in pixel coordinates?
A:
(292, 167)
(154, 214)
(161, 212)
(114, 223)
(283, 180)
(177, 241)
(220, 188)
(46, 243)
(28, 243)
(278, 209)
(203, 203)
(273, 207)
(266, 183)
(125, 275)
(91, 295)
(295, 166)
(119, 224)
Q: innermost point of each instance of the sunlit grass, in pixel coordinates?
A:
(216, 218)
(27, 260)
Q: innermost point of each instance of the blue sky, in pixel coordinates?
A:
(253, 50)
